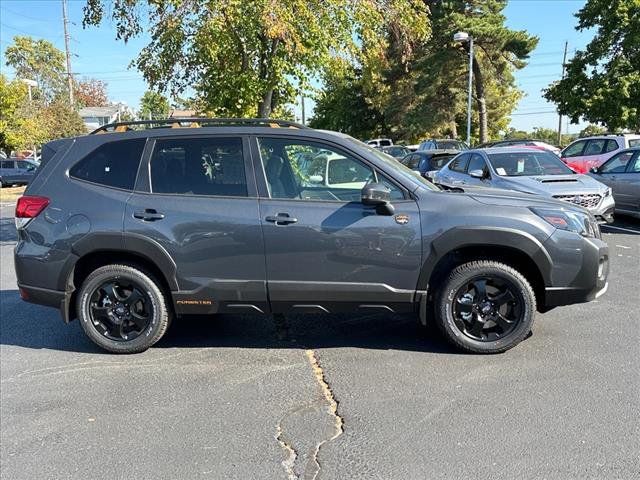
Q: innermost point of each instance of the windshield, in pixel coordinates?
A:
(451, 145)
(522, 164)
(393, 163)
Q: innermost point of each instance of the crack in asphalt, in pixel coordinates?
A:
(332, 409)
(289, 464)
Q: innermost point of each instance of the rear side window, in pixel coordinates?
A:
(113, 164)
(459, 164)
(413, 162)
(634, 142)
(6, 164)
(595, 147)
(199, 166)
(612, 145)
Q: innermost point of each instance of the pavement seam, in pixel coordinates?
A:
(332, 407)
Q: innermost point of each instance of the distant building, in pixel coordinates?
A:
(94, 117)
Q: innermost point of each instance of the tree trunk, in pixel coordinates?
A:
(454, 129)
(264, 107)
(480, 98)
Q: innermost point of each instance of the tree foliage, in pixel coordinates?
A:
(591, 130)
(38, 60)
(246, 58)
(424, 92)
(153, 105)
(602, 83)
(91, 92)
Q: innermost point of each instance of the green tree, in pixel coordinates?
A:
(602, 82)
(153, 105)
(38, 60)
(61, 120)
(245, 58)
(591, 130)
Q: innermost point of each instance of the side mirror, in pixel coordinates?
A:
(379, 196)
(594, 170)
(477, 174)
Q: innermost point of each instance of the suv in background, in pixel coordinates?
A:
(14, 171)
(586, 153)
(443, 144)
(128, 230)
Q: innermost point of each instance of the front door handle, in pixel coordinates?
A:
(281, 219)
(148, 215)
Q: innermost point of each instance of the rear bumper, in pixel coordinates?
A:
(48, 298)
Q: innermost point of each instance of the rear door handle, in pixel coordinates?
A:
(148, 214)
(281, 219)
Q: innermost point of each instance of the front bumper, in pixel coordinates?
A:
(584, 283)
(604, 211)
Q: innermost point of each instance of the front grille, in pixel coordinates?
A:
(586, 201)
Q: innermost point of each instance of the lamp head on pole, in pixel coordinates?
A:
(31, 83)
(461, 37)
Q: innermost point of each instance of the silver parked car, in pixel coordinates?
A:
(530, 171)
(15, 171)
(622, 173)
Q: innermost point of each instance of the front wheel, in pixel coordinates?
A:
(485, 307)
(122, 309)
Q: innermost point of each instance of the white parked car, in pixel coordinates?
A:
(586, 153)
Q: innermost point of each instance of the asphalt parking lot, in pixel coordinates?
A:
(327, 397)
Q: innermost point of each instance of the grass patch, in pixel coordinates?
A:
(11, 194)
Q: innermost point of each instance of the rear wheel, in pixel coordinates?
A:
(122, 309)
(485, 307)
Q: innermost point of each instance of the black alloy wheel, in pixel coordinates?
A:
(120, 310)
(487, 308)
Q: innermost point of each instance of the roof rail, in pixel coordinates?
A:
(194, 122)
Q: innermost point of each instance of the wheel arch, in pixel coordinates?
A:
(514, 248)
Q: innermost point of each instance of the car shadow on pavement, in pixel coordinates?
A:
(31, 326)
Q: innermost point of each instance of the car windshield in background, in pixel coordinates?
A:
(522, 164)
(451, 145)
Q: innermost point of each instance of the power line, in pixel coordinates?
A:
(535, 113)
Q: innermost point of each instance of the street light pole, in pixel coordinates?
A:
(465, 37)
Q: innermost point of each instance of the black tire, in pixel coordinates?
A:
(155, 314)
(489, 323)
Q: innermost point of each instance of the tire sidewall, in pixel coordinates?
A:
(520, 288)
(151, 334)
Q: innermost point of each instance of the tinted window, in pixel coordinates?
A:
(114, 164)
(634, 142)
(635, 167)
(199, 166)
(611, 146)
(25, 165)
(451, 145)
(439, 161)
(595, 147)
(298, 169)
(476, 163)
(574, 150)
(7, 164)
(459, 164)
(618, 164)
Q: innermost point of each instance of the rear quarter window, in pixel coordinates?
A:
(113, 164)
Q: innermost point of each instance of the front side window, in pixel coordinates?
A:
(618, 164)
(635, 167)
(113, 164)
(574, 150)
(476, 163)
(298, 169)
(199, 166)
(459, 164)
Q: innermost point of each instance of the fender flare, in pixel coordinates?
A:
(139, 245)
(476, 236)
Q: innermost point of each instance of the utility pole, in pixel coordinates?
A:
(302, 103)
(564, 63)
(65, 21)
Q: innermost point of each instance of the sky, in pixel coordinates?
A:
(96, 52)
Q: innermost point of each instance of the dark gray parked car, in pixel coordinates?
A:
(622, 173)
(14, 171)
(127, 230)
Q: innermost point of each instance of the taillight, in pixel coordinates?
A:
(28, 208)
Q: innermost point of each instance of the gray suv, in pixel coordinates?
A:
(127, 229)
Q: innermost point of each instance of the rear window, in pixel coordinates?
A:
(459, 164)
(439, 161)
(113, 164)
(199, 166)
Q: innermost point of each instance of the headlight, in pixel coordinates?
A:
(570, 221)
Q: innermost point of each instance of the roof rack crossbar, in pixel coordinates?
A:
(196, 122)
